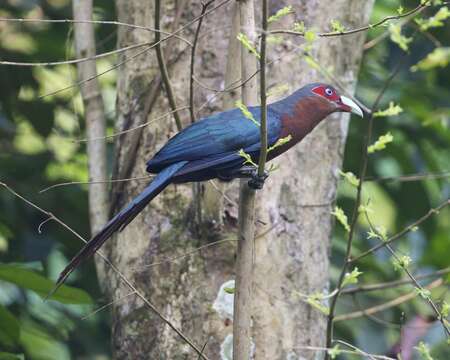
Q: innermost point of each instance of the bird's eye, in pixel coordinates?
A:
(328, 91)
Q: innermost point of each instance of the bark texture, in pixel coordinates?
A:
(296, 202)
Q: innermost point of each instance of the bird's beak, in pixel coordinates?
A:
(349, 105)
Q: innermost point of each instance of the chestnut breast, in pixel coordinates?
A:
(306, 114)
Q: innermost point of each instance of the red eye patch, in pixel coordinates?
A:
(327, 92)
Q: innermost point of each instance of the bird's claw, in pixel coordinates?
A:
(257, 182)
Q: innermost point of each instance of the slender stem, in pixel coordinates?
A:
(392, 284)
(410, 13)
(263, 94)
(387, 305)
(194, 47)
(403, 232)
(163, 66)
(246, 233)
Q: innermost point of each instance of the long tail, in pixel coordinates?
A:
(120, 221)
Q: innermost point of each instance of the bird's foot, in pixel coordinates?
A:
(257, 182)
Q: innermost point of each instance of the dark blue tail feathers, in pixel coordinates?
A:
(122, 219)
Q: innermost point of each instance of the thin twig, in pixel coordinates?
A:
(189, 253)
(327, 350)
(103, 22)
(387, 305)
(419, 288)
(403, 232)
(412, 177)
(150, 46)
(69, 183)
(163, 67)
(114, 268)
(412, 12)
(263, 91)
(103, 307)
(192, 67)
(392, 284)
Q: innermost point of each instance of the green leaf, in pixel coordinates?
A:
(315, 300)
(246, 112)
(337, 27)
(311, 62)
(334, 352)
(424, 351)
(381, 143)
(9, 329)
(245, 41)
(280, 142)
(401, 262)
(41, 285)
(300, 27)
(379, 232)
(350, 177)
(392, 110)
(397, 37)
(341, 217)
(437, 20)
(9, 356)
(229, 290)
(247, 157)
(310, 36)
(281, 13)
(37, 341)
(445, 310)
(351, 278)
(439, 57)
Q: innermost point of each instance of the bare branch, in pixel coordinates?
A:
(392, 284)
(163, 67)
(147, 177)
(419, 8)
(390, 304)
(192, 67)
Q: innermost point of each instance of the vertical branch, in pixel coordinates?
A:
(94, 113)
(263, 95)
(163, 67)
(245, 250)
(194, 47)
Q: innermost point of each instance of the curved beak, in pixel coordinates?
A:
(349, 105)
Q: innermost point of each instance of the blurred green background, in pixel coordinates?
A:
(38, 148)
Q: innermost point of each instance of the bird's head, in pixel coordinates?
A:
(330, 98)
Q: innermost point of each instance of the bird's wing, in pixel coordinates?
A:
(219, 134)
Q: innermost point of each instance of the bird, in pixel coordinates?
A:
(213, 146)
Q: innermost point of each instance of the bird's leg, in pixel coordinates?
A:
(256, 182)
(246, 172)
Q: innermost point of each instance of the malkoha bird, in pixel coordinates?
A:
(209, 149)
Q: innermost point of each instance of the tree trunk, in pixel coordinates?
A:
(295, 204)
